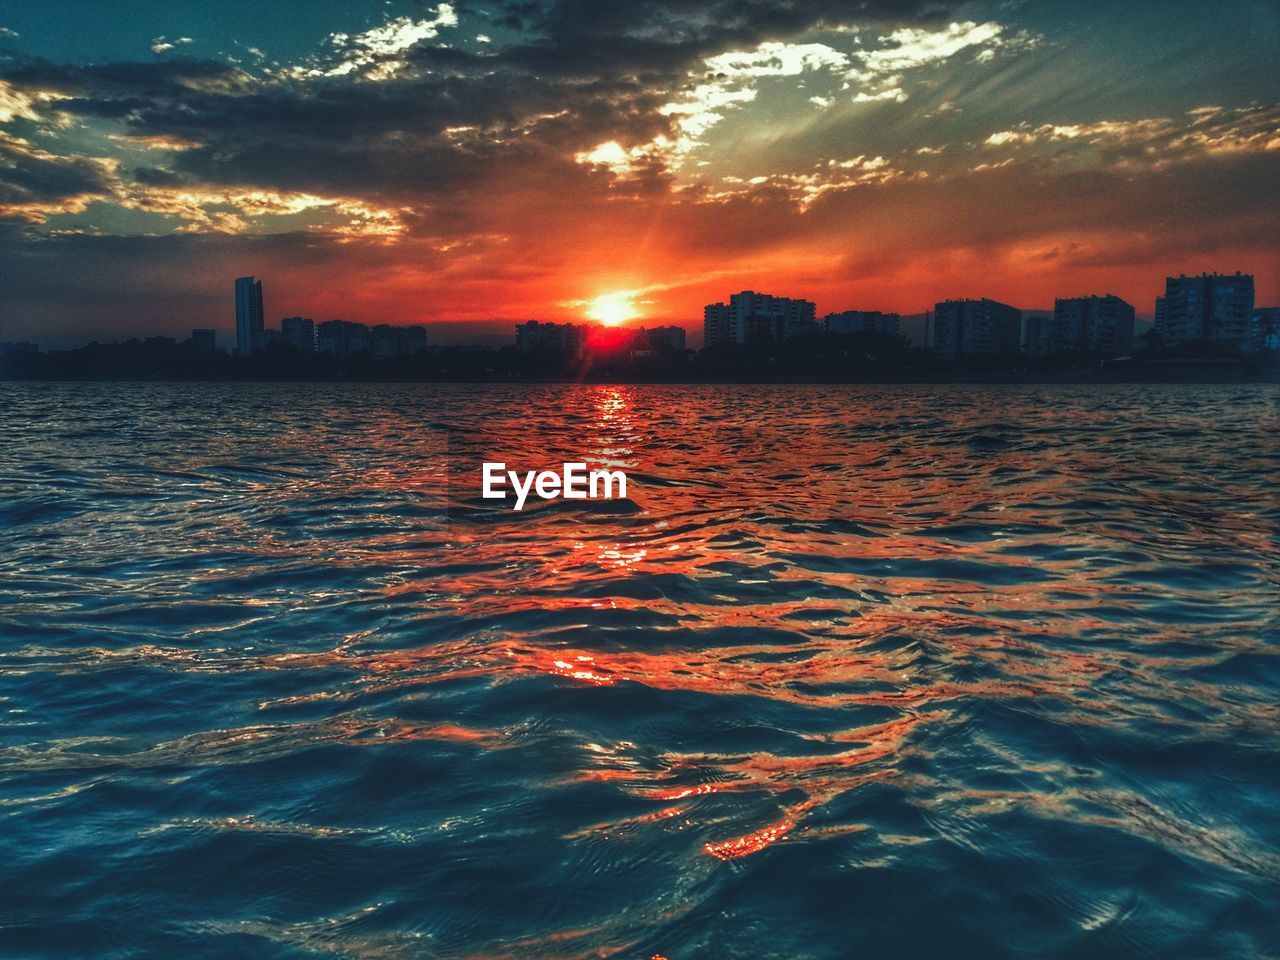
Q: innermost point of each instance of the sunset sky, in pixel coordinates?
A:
(478, 163)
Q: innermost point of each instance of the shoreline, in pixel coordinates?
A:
(1266, 378)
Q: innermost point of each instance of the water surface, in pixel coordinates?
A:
(853, 671)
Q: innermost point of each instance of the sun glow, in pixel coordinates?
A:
(612, 309)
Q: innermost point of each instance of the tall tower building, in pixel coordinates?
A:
(249, 333)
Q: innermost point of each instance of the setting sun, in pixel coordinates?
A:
(612, 309)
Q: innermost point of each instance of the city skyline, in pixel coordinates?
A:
(433, 164)
(1217, 311)
(1211, 307)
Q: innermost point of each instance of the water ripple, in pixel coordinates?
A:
(963, 671)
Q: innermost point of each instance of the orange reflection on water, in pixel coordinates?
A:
(699, 791)
(581, 669)
(749, 844)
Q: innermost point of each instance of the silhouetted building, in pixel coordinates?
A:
(757, 316)
(342, 337)
(1211, 307)
(1266, 328)
(1037, 332)
(412, 339)
(567, 338)
(972, 327)
(203, 340)
(1093, 324)
(248, 315)
(715, 324)
(664, 339)
(387, 341)
(382, 341)
(299, 333)
(862, 321)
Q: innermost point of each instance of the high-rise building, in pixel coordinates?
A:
(862, 321)
(567, 338)
(248, 315)
(204, 341)
(755, 316)
(382, 341)
(412, 339)
(299, 333)
(1037, 332)
(387, 341)
(715, 324)
(342, 337)
(1266, 328)
(664, 339)
(751, 316)
(1093, 324)
(1212, 307)
(973, 327)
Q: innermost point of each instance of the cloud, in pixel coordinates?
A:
(34, 183)
(1150, 143)
(879, 72)
(162, 45)
(805, 189)
(377, 53)
(14, 102)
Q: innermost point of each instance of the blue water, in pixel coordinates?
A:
(854, 671)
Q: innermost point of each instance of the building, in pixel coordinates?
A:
(976, 327)
(248, 315)
(204, 341)
(1097, 325)
(638, 341)
(663, 339)
(1037, 332)
(386, 341)
(567, 338)
(760, 316)
(1215, 308)
(382, 341)
(751, 316)
(412, 339)
(299, 333)
(862, 321)
(715, 324)
(1266, 328)
(342, 337)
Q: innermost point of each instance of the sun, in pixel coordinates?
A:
(612, 309)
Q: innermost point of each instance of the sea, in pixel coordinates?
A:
(852, 671)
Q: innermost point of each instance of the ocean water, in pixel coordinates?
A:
(919, 671)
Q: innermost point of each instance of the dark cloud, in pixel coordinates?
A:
(599, 70)
(32, 180)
